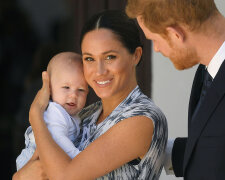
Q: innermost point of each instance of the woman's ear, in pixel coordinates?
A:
(176, 33)
(137, 55)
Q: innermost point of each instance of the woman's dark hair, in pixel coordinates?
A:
(119, 23)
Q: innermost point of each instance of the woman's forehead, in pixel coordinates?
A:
(103, 39)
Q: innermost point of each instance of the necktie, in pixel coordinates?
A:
(206, 84)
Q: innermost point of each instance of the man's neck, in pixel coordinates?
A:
(208, 42)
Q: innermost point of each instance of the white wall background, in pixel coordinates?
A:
(171, 90)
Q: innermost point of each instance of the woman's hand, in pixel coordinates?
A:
(41, 100)
(32, 170)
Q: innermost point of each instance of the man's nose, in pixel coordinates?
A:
(156, 49)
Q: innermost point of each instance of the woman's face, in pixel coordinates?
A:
(109, 67)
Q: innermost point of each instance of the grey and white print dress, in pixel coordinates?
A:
(136, 104)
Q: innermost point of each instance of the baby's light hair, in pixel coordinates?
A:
(63, 57)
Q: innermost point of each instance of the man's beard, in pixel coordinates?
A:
(184, 58)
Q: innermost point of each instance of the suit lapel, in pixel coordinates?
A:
(195, 92)
(212, 98)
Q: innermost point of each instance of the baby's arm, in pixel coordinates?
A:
(62, 128)
(56, 122)
(60, 136)
(28, 151)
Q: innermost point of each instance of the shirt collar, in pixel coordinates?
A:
(216, 61)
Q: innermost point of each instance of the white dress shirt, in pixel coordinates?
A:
(216, 61)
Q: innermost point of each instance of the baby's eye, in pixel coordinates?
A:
(109, 57)
(88, 59)
(81, 90)
(65, 87)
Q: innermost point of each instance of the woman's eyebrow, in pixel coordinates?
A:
(106, 52)
(110, 51)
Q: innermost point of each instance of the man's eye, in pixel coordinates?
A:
(110, 57)
(88, 59)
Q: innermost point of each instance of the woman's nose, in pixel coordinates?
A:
(101, 69)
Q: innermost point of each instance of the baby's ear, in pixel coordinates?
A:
(50, 98)
(50, 88)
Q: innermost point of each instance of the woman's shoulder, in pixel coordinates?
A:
(143, 105)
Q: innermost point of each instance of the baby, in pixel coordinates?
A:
(68, 96)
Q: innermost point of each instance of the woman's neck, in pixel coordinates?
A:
(109, 104)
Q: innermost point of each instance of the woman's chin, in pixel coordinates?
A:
(103, 94)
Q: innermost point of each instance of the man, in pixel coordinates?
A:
(192, 32)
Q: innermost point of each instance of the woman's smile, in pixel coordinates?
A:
(103, 82)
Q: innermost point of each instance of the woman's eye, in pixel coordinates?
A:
(66, 87)
(110, 57)
(88, 59)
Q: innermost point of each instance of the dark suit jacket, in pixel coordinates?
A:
(201, 156)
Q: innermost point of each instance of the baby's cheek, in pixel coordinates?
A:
(83, 102)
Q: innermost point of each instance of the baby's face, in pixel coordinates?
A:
(69, 88)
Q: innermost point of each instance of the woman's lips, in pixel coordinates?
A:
(103, 83)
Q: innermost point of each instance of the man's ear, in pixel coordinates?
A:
(137, 55)
(176, 33)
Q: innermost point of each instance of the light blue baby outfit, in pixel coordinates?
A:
(63, 128)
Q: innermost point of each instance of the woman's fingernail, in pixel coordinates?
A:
(43, 73)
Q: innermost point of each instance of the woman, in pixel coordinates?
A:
(124, 135)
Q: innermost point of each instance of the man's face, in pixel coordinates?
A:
(181, 55)
(159, 43)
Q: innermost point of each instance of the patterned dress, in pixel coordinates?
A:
(136, 104)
